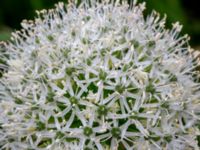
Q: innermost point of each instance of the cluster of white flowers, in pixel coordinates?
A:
(99, 76)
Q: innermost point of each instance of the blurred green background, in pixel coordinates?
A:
(12, 12)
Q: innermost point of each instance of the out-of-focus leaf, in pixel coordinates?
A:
(4, 36)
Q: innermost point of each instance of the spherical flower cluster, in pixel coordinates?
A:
(99, 76)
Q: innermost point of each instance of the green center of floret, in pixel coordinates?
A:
(50, 97)
(18, 101)
(69, 71)
(59, 135)
(87, 131)
(40, 126)
(150, 88)
(74, 101)
(120, 89)
(165, 105)
(102, 75)
(116, 132)
(102, 110)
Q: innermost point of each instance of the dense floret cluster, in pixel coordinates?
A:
(98, 76)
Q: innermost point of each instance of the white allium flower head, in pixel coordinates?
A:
(99, 75)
